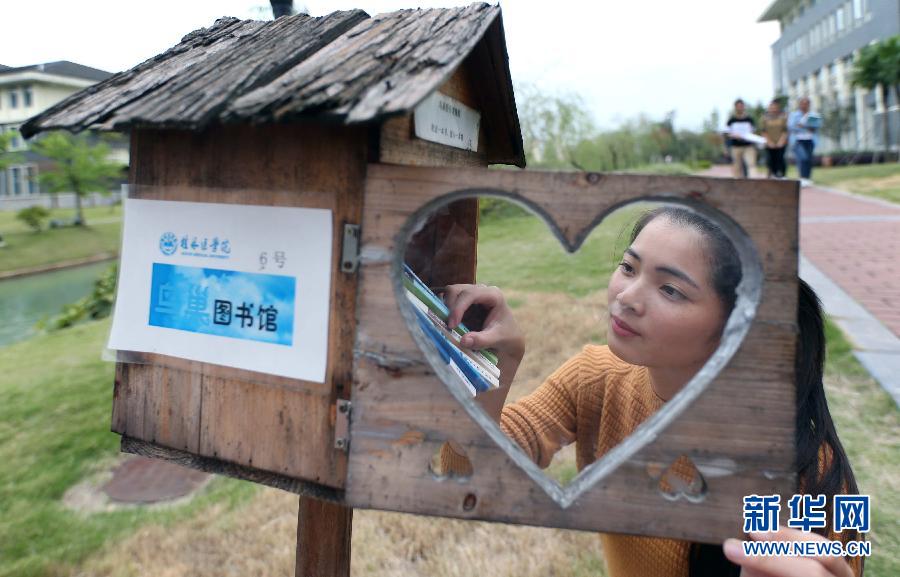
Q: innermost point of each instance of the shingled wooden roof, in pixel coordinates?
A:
(346, 66)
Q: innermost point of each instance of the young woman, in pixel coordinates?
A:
(775, 130)
(669, 299)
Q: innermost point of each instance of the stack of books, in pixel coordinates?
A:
(476, 370)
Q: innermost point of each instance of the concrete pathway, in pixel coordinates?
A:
(850, 255)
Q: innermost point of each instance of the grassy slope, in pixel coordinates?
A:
(55, 398)
(25, 249)
(876, 180)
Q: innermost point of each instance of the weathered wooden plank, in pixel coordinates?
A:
(219, 467)
(399, 145)
(742, 440)
(270, 423)
(323, 539)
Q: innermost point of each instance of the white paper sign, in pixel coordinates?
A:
(235, 285)
(446, 120)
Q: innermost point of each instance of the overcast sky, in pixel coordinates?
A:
(623, 58)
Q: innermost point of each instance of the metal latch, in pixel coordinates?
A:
(350, 249)
(342, 426)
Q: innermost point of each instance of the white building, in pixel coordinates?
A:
(820, 39)
(24, 92)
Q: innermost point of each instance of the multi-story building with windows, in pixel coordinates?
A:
(24, 92)
(820, 39)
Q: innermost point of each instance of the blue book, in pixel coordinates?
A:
(474, 378)
(449, 362)
(415, 285)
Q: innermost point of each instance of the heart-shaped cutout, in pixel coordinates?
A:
(450, 226)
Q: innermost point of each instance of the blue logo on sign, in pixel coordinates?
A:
(168, 243)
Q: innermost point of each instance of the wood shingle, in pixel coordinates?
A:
(345, 67)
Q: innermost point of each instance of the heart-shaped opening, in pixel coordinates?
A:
(620, 333)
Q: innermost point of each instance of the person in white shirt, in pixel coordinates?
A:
(740, 124)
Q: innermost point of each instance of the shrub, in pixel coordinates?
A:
(96, 305)
(33, 217)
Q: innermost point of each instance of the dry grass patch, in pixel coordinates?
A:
(259, 539)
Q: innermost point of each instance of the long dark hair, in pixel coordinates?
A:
(821, 463)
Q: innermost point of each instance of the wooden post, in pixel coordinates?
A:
(323, 539)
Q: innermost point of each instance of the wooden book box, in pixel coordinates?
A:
(319, 112)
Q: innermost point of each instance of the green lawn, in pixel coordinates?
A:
(55, 406)
(55, 403)
(877, 180)
(520, 252)
(10, 224)
(27, 249)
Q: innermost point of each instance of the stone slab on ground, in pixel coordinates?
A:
(143, 480)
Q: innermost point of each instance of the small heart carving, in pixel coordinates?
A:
(679, 480)
(672, 484)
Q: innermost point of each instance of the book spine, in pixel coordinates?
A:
(431, 300)
(478, 380)
(454, 368)
(483, 364)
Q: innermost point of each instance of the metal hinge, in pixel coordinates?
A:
(350, 248)
(342, 426)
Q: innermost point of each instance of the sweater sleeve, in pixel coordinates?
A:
(544, 421)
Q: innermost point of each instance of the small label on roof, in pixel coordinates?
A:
(446, 120)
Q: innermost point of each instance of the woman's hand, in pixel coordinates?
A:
(499, 331)
(759, 566)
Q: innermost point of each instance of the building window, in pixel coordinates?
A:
(16, 174)
(13, 98)
(3, 178)
(33, 186)
(26, 97)
(857, 9)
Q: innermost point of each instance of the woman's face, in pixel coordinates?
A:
(664, 311)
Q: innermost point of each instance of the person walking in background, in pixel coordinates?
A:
(775, 130)
(740, 124)
(803, 126)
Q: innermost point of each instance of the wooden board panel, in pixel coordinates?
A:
(402, 412)
(270, 423)
(399, 144)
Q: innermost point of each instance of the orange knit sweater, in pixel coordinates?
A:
(596, 400)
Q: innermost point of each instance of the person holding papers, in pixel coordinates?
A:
(741, 140)
(803, 126)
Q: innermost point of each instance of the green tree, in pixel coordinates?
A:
(6, 156)
(878, 68)
(837, 120)
(81, 167)
(553, 128)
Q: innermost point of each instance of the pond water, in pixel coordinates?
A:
(26, 300)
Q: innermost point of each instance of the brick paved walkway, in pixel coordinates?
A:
(850, 254)
(856, 243)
